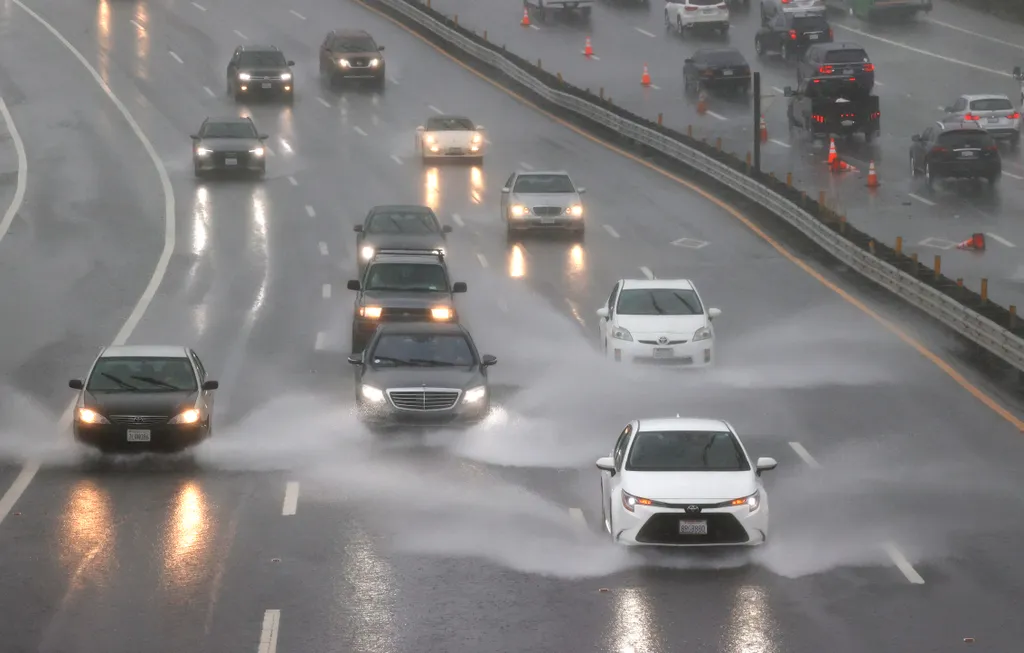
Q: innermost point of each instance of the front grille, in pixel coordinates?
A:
(405, 314)
(547, 211)
(140, 420)
(360, 62)
(425, 399)
(241, 157)
(663, 528)
(662, 344)
(265, 76)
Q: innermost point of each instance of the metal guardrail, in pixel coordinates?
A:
(999, 341)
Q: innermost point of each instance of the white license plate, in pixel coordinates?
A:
(847, 71)
(707, 11)
(547, 221)
(967, 155)
(663, 352)
(812, 37)
(693, 527)
(230, 162)
(993, 119)
(266, 85)
(847, 123)
(727, 73)
(138, 435)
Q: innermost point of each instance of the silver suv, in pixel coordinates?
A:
(548, 201)
(993, 113)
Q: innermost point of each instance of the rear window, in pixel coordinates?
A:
(991, 104)
(724, 58)
(810, 24)
(965, 138)
(848, 55)
(706, 3)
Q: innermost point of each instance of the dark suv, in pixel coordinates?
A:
(790, 34)
(260, 70)
(351, 54)
(402, 286)
(961, 151)
(830, 60)
(422, 374)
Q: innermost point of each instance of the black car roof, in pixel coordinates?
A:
(229, 119)
(428, 257)
(730, 50)
(444, 328)
(408, 208)
(840, 45)
(259, 48)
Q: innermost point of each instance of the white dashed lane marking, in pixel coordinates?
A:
(323, 248)
(805, 455)
(644, 32)
(209, 91)
(999, 239)
(137, 24)
(482, 259)
(457, 219)
(291, 498)
(174, 55)
(921, 199)
(903, 564)
(321, 340)
(717, 116)
(359, 130)
(1013, 176)
(397, 159)
(647, 272)
(434, 109)
(310, 211)
(296, 14)
(611, 231)
(323, 102)
(778, 142)
(578, 518)
(268, 633)
(198, 6)
(525, 166)
(293, 181)
(326, 291)
(241, 36)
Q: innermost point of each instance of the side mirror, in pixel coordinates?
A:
(447, 229)
(194, 137)
(211, 385)
(380, 48)
(264, 137)
(488, 360)
(916, 138)
(766, 464)
(948, 109)
(291, 63)
(788, 91)
(420, 128)
(506, 189)
(606, 464)
(353, 284)
(460, 286)
(76, 384)
(358, 228)
(355, 359)
(581, 190)
(713, 313)
(603, 312)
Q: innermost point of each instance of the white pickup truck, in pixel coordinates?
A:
(691, 15)
(541, 8)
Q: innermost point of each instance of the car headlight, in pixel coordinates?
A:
(477, 138)
(366, 252)
(441, 313)
(203, 151)
(475, 395)
(576, 210)
(372, 394)
(630, 502)
(430, 139)
(374, 63)
(519, 210)
(372, 312)
(343, 63)
(244, 76)
(190, 416)
(89, 416)
(286, 77)
(753, 501)
(256, 151)
(703, 333)
(622, 334)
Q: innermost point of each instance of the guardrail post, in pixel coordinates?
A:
(559, 77)
(984, 291)
(718, 143)
(913, 260)
(428, 4)
(748, 162)
(842, 224)
(789, 178)
(455, 18)
(1013, 316)
(821, 198)
(899, 245)
(960, 286)
(938, 266)
(871, 246)
(659, 119)
(485, 35)
(689, 131)
(600, 92)
(538, 64)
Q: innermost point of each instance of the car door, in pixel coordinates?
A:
(604, 324)
(609, 483)
(505, 192)
(325, 49)
(777, 30)
(920, 147)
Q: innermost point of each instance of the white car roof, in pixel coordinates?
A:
(682, 424)
(145, 351)
(674, 284)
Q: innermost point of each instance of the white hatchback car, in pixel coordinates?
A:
(683, 482)
(684, 15)
(450, 137)
(657, 320)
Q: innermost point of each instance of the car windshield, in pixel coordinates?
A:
(262, 58)
(403, 222)
(357, 45)
(232, 129)
(422, 350)
(686, 451)
(543, 184)
(407, 277)
(658, 301)
(449, 124)
(846, 55)
(723, 58)
(810, 24)
(142, 374)
(991, 104)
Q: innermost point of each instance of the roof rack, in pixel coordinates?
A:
(436, 251)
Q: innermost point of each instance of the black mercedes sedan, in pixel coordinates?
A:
(144, 398)
(401, 226)
(422, 374)
(229, 144)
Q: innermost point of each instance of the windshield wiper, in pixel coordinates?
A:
(388, 359)
(431, 363)
(126, 386)
(151, 380)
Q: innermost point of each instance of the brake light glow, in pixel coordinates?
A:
(971, 116)
(792, 34)
(1014, 116)
(938, 150)
(825, 70)
(785, 2)
(830, 34)
(991, 148)
(869, 67)
(690, 8)
(818, 118)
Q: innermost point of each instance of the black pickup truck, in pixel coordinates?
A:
(827, 107)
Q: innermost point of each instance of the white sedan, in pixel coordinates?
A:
(450, 137)
(683, 482)
(657, 320)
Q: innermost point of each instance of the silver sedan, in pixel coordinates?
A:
(547, 201)
(993, 113)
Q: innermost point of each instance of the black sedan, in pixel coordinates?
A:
(399, 227)
(791, 34)
(229, 145)
(142, 398)
(422, 374)
(260, 70)
(955, 151)
(717, 69)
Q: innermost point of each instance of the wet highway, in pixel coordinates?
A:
(920, 67)
(296, 528)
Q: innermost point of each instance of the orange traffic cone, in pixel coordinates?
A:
(588, 50)
(872, 176)
(975, 243)
(764, 130)
(526, 18)
(833, 156)
(645, 79)
(702, 102)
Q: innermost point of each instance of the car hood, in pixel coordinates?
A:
(684, 325)
(680, 487)
(229, 144)
(140, 403)
(393, 299)
(404, 241)
(265, 71)
(431, 377)
(357, 55)
(546, 199)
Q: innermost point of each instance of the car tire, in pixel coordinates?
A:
(668, 23)
(357, 343)
(199, 172)
(379, 84)
(929, 176)
(680, 29)
(784, 52)
(758, 46)
(914, 172)
(1015, 143)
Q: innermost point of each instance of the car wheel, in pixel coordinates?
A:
(1015, 143)
(913, 167)
(993, 179)
(668, 21)
(758, 46)
(679, 26)
(785, 52)
(357, 343)
(928, 175)
(379, 84)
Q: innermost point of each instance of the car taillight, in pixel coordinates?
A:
(971, 116)
(825, 70)
(792, 34)
(991, 148)
(690, 8)
(869, 67)
(1014, 116)
(830, 34)
(818, 118)
(939, 150)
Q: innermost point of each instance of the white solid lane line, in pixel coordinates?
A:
(293, 181)
(296, 14)
(323, 248)
(525, 166)
(359, 130)
(647, 272)
(209, 91)
(310, 211)
(174, 55)
(434, 109)
(645, 32)
(805, 455)
(326, 291)
(482, 259)
(921, 199)
(198, 6)
(397, 159)
(268, 634)
(457, 219)
(323, 102)
(611, 231)
(321, 341)
(578, 518)
(778, 142)
(976, 34)
(716, 115)
(19, 190)
(903, 564)
(778, 90)
(291, 498)
(241, 36)
(29, 470)
(999, 239)
(1013, 176)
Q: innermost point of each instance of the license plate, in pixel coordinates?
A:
(454, 150)
(727, 73)
(847, 123)
(847, 71)
(693, 527)
(812, 37)
(230, 162)
(663, 352)
(993, 119)
(967, 155)
(547, 221)
(707, 11)
(266, 84)
(138, 435)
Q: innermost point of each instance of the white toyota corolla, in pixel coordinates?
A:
(451, 137)
(657, 320)
(683, 482)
